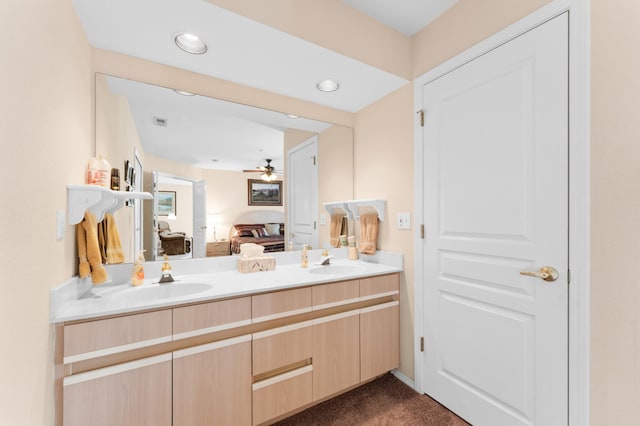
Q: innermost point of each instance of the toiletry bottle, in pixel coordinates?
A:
(137, 274)
(115, 179)
(92, 172)
(305, 256)
(290, 248)
(104, 172)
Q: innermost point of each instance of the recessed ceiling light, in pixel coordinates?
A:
(328, 85)
(190, 43)
(292, 115)
(183, 92)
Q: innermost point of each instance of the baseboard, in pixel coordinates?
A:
(404, 379)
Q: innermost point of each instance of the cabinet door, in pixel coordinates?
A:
(335, 294)
(281, 347)
(282, 394)
(336, 353)
(280, 304)
(379, 339)
(97, 338)
(211, 317)
(212, 384)
(130, 394)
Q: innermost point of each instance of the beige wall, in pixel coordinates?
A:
(615, 213)
(462, 26)
(384, 169)
(46, 133)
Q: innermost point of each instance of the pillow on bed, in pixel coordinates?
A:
(272, 228)
(259, 232)
(245, 233)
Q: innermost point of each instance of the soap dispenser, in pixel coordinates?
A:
(137, 273)
(305, 256)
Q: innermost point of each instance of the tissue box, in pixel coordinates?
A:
(257, 264)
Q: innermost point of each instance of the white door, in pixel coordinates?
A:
(199, 219)
(302, 190)
(155, 238)
(495, 203)
(137, 204)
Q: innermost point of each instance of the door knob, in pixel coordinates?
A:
(547, 273)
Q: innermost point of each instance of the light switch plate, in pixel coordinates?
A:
(60, 225)
(323, 219)
(404, 220)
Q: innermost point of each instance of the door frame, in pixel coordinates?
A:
(579, 186)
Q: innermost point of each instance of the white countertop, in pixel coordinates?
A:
(78, 299)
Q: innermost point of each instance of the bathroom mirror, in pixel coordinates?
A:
(192, 138)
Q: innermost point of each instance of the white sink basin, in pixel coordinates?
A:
(153, 292)
(337, 270)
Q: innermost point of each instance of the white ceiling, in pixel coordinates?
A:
(248, 53)
(405, 16)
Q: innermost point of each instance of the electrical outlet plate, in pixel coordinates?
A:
(404, 221)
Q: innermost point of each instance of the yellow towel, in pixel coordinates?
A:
(336, 229)
(102, 241)
(368, 233)
(84, 270)
(98, 273)
(113, 249)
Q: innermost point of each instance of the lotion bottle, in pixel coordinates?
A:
(305, 256)
(137, 273)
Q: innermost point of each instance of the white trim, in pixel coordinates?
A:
(282, 377)
(334, 304)
(379, 307)
(115, 349)
(280, 330)
(211, 346)
(115, 369)
(281, 315)
(403, 378)
(207, 330)
(336, 317)
(579, 186)
(378, 295)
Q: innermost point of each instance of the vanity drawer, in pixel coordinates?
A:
(108, 336)
(280, 304)
(211, 317)
(335, 294)
(281, 347)
(281, 394)
(379, 286)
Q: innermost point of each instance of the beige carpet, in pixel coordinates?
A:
(384, 401)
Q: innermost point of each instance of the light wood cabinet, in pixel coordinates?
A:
(112, 335)
(336, 353)
(379, 327)
(128, 394)
(280, 304)
(281, 394)
(218, 248)
(211, 317)
(212, 384)
(240, 361)
(280, 347)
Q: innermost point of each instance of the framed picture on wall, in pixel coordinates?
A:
(263, 193)
(166, 203)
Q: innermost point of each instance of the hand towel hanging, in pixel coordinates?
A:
(368, 233)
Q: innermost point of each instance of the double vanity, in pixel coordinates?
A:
(220, 347)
